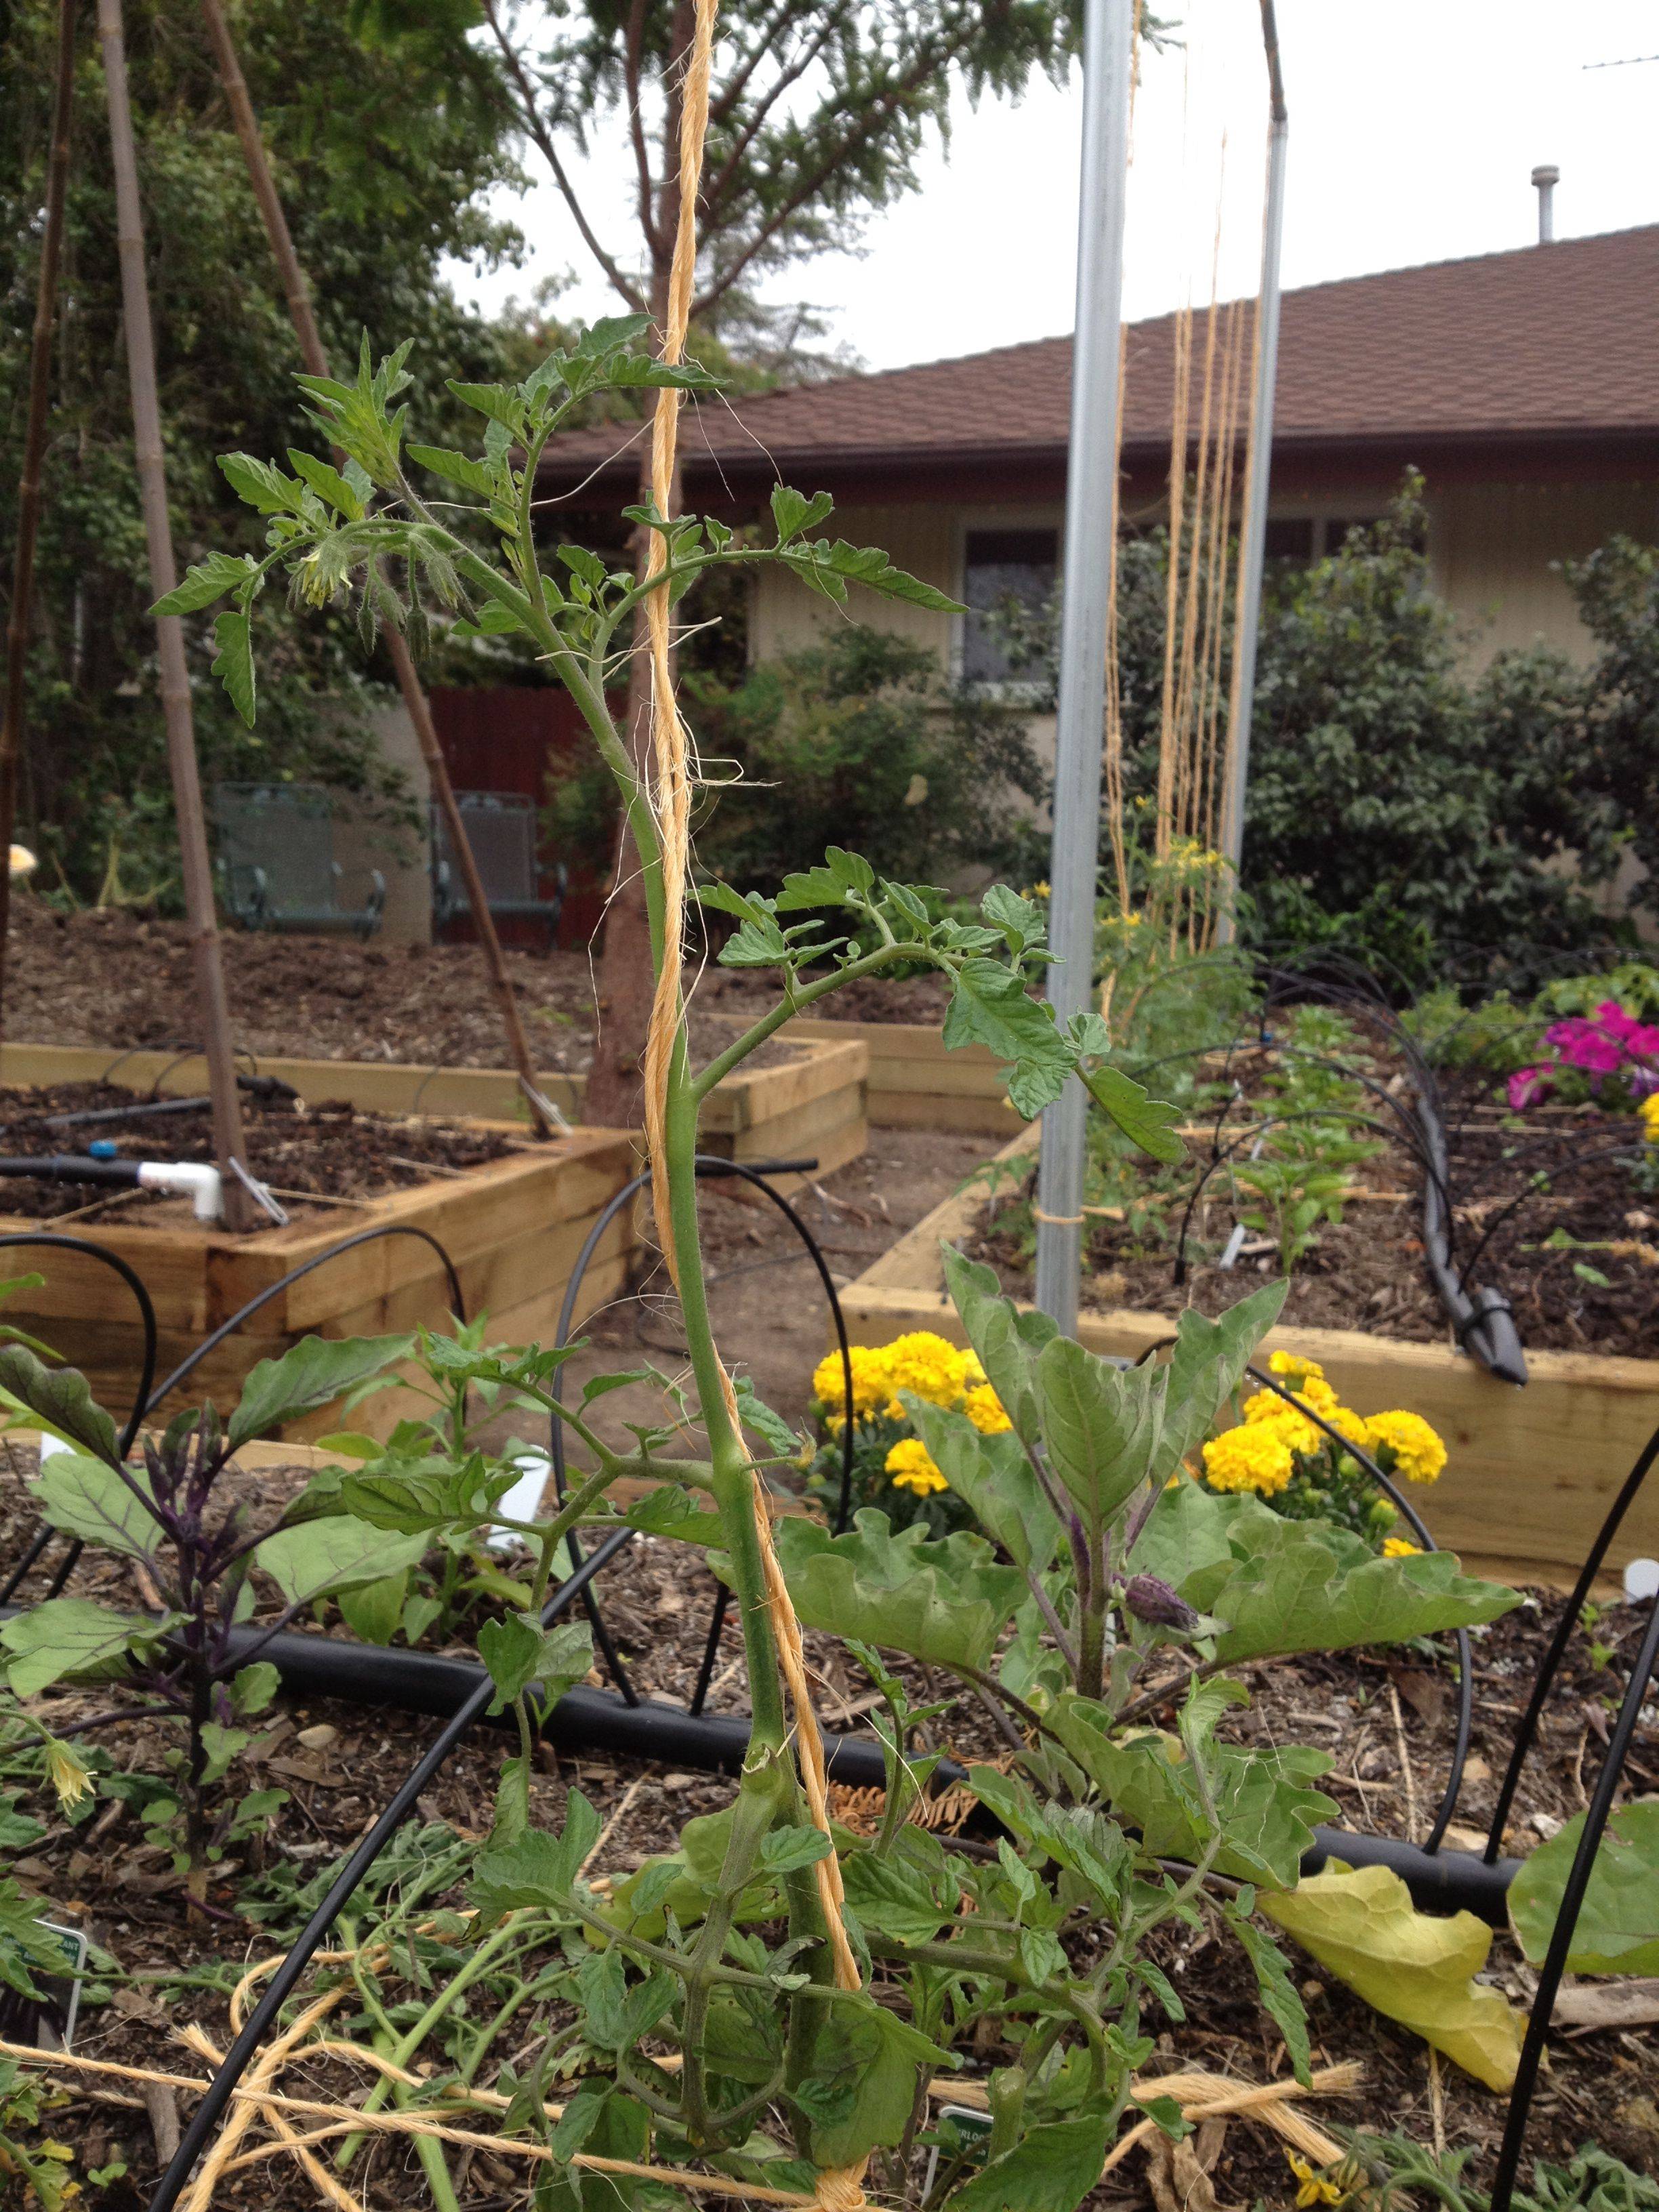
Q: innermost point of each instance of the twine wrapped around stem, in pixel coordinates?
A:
(842, 2189)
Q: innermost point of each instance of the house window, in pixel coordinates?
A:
(1290, 537)
(998, 566)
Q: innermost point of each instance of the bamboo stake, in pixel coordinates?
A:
(195, 866)
(34, 446)
(296, 291)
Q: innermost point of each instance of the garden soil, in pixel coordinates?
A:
(111, 976)
(1551, 1215)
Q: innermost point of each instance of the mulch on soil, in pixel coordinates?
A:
(1515, 1182)
(1387, 1719)
(112, 976)
(310, 1157)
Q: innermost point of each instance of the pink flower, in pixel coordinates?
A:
(1527, 1084)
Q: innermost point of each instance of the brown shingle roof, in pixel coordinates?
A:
(1545, 341)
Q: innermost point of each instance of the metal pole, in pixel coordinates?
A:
(297, 293)
(1091, 503)
(195, 866)
(35, 448)
(1252, 546)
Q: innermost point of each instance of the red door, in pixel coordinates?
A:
(505, 739)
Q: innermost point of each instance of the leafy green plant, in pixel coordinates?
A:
(1398, 2172)
(773, 1996)
(1312, 1108)
(461, 1575)
(43, 2166)
(163, 1515)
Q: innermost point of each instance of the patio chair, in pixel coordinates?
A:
(501, 829)
(276, 860)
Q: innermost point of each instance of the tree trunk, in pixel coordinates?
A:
(34, 446)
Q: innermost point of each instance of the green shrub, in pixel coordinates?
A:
(858, 741)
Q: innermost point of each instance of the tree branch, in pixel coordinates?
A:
(631, 52)
(539, 131)
(715, 193)
(927, 64)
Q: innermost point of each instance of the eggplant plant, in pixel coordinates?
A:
(175, 1652)
(736, 2003)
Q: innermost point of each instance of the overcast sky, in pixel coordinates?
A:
(1414, 130)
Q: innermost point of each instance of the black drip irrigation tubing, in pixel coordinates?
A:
(1566, 1918)
(1482, 1319)
(188, 1367)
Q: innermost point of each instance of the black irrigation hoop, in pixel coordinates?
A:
(56, 1240)
(712, 1167)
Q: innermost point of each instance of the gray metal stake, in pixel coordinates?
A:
(1090, 527)
(1253, 551)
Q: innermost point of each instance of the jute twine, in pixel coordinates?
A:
(839, 2189)
(1200, 2096)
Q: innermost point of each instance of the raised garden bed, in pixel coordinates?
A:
(915, 1083)
(1531, 1470)
(511, 1215)
(800, 1098)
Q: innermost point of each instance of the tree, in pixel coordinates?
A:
(373, 141)
(818, 111)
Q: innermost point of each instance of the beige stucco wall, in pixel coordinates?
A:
(784, 616)
(1490, 547)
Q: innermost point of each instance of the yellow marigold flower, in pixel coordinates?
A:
(871, 1388)
(1312, 2188)
(1649, 1110)
(1401, 1547)
(926, 1366)
(68, 1772)
(985, 1410)
(1354, 1427)
(1268, 1410)
(1418, 1454)
(911, 1465)
(1255, 1456)
(1291, 1367)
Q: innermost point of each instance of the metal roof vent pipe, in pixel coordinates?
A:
(1546, 178)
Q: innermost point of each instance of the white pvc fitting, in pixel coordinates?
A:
(193, 1179)
(523, 1501)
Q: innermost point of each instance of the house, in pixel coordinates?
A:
(1524, 386)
